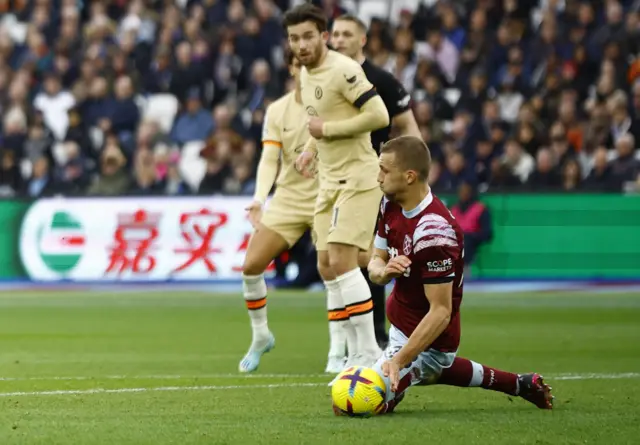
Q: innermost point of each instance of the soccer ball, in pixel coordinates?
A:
(358, 392)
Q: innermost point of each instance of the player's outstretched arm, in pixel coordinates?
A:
(267, 171)
(377, 265)
(431, 326)
(265, 177)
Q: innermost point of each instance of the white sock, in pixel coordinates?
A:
(478, 374)
(338, 319)
(352, 338)
(356, 296)
(254, 290)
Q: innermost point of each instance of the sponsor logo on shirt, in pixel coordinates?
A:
(351, 79)
(440, 265)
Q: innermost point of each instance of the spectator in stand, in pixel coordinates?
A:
(474, 219)
(113, 180)
(625, 166)
(194, 123)
(54, 103)
(571, 176)
(545, 176)
(41, 183)
(520, 163)
(174, 184)
(145, 180)
(457, 172)
(10, 178)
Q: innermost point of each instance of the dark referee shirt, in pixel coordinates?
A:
(393, 94)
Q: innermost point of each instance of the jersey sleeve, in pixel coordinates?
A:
(353, 83)
(435, 248)
(380, 241)
(394, 96)
(271, 133)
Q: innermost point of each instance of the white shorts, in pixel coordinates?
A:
(428, 365)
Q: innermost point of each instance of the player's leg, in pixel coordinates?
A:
(340, 329)
(467, 373)
(265, 244)
(427, 365)
(352, 225)
(337, 316)
(379, 298)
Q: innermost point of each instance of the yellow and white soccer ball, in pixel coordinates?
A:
(358, 392)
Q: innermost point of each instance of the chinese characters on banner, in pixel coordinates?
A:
(137, 235)
(134, 238)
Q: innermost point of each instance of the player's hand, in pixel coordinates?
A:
(396, 266)
(392, 370)
(254, 211)
(315, 127)
(304, 164)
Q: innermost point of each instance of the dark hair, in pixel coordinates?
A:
(353, 19)
(411, 154)
(306, 12)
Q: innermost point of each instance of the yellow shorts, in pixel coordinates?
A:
(346, 217)
(287, 219)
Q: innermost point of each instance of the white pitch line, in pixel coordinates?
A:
(626, 375)
(158, 389)
(589, 376)
(166, 377)
(592, 376)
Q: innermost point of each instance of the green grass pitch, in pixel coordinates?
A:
(160, 368)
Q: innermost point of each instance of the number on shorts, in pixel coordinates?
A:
(334, 218)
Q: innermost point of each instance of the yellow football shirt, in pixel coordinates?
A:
(334, 91)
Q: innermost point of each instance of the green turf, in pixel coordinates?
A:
(191, 342)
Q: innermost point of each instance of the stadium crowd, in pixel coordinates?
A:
(143, 97)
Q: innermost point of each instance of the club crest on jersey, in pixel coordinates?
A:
(318, 93)
(407, 245)
(311, 111)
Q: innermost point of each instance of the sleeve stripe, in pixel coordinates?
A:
(364, 97)
(425, 232)
(438, 280)
(434, 242)
(380, 243)
(272, 142)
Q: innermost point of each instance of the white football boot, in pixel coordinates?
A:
(251, 360)
(335, 365)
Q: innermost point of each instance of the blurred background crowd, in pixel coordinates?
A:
(114, 97)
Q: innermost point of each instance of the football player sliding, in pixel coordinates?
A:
(420, 245)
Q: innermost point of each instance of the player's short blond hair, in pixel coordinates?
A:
(411, 153)
(353, 19)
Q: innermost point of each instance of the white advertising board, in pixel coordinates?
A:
(135, 239)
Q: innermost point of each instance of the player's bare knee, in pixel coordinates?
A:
(251, 269)
(326, 273)
(324, 266)
(254, 265)
(341, 266)
(343, 259)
